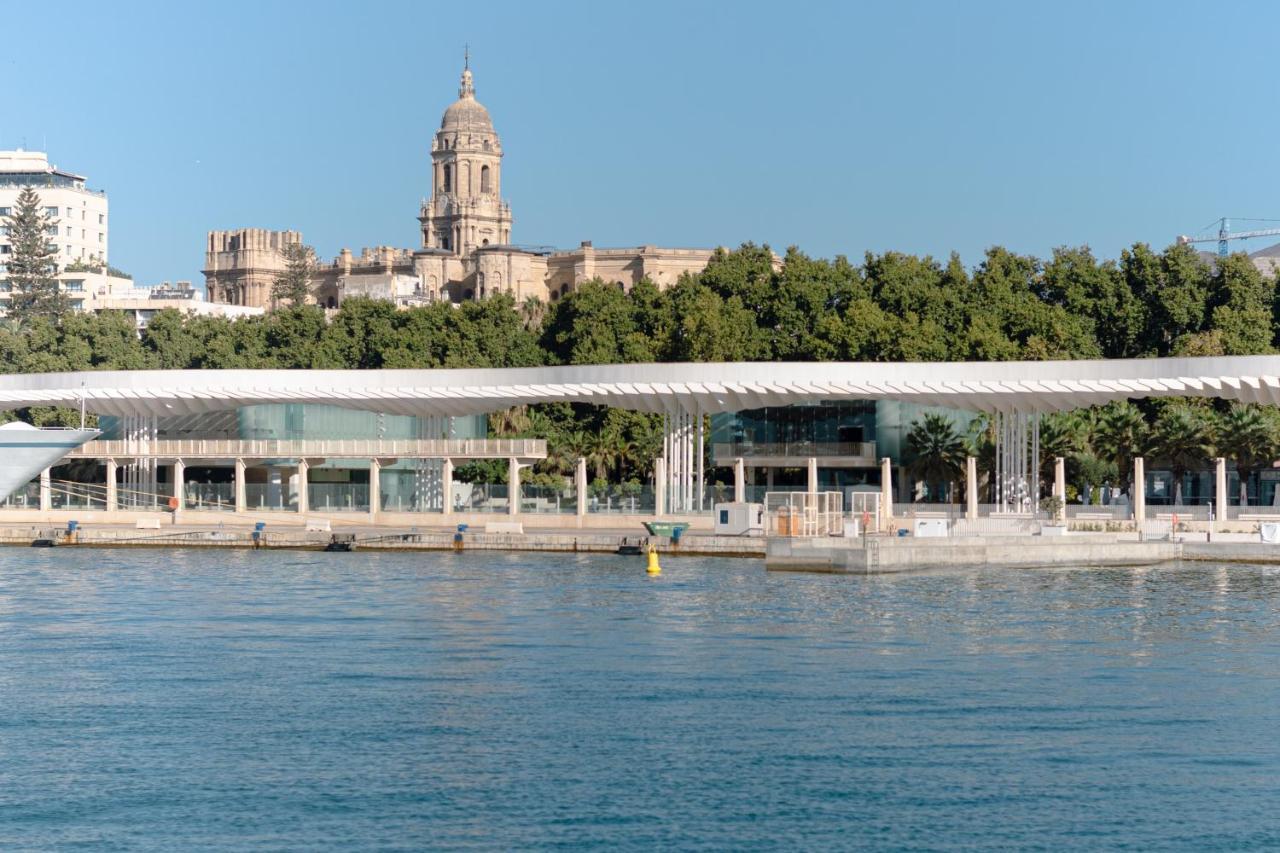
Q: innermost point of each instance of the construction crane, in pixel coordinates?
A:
(1224, 234)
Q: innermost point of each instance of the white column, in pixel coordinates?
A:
(659, 487)
(513, 486)
(1139, 490)
(113, 490)
(971, 488)
(886, 490)
(699, 454)
(813, 475)
(1060, 484)
(580, 485)
(1220, 489)
(375, 489)
(304, 489)
(179, 486)
(446, 486)
(46, 491)
(240, 489)
(739, 480)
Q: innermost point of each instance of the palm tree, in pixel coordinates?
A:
(981, 441)
(510, 422)
(532, 312)
(935, 451)
(599, 451)
(1182, 438)
(1092, 470)
(1060, 435)
(1121, 435)
(1248, 435)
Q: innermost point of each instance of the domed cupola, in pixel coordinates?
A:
(466, 113)
(466, 210)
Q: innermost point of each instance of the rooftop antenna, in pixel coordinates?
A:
(466, 57)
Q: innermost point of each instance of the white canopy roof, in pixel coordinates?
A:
(1038, 386)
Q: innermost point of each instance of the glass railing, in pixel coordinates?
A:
(76, 496)
(480, 497)
(621, 500)
(268, 497)
(27, 497)
(338, 497)
(547, 500)
(211, 497)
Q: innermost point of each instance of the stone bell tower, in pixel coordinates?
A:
(466, 209)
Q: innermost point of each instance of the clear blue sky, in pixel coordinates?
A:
(838, 127)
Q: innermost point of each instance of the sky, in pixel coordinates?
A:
(840, 128)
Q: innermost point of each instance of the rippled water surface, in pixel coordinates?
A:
(218, 699)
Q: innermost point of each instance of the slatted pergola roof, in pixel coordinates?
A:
(1037, 386)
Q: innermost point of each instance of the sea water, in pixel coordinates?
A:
(211, 699)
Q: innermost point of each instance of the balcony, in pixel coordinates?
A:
(358, 448)
(796, 454)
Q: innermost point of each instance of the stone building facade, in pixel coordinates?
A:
(465, 249)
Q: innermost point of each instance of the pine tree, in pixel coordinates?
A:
(32, 266)
(293, 284)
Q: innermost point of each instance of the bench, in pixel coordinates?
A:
(148, 524)
(320, 525)
(503, 527)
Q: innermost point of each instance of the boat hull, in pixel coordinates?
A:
(24, 453)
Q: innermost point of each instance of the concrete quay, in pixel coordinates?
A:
(883, 555)
(380, 538)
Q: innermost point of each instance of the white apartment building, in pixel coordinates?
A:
(78, 214)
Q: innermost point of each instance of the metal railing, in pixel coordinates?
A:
(796, 450)
(351, 448)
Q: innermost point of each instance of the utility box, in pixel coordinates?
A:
(931, 528)
(739, 519)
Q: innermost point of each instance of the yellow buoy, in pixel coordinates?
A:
(653, 568)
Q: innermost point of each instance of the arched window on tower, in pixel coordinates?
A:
(448, 178)
(484, 179)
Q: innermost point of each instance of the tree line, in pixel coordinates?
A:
(745, 305)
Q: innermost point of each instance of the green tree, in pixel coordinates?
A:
(1240, 304)
(32, 264)
(1183, 439)
(936, 452)
(292, 285)
(1250, 436)
(1121, 435)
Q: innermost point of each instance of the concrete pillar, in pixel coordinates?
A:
(241, 502)
(513, 486)
(375, 489)
(46, 491)
(886, 490)
(971, 488)
(179, 485)
(1139, 490)
(659, 487)
(580, 486)
(113, 490)
(1220, 489)
(813, 475)
(1060, 484)
(739, 480)
(446, 485)
(304, 491)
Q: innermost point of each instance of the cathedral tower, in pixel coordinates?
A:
(466, 209)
